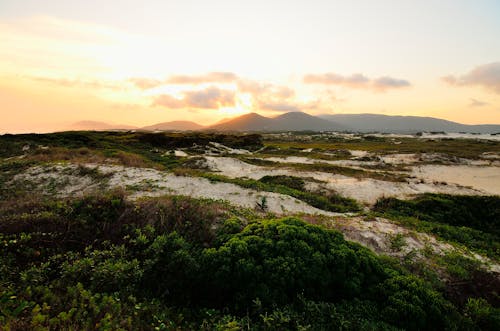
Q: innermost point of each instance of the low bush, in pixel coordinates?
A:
(181, 264)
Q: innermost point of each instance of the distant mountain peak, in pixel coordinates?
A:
(291, 121)
(404, 124)
(174, 126)
(98, 126)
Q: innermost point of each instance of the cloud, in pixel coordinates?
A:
(358, 81)
(386, 82)
(355, 80)
(477, 103)
(209, 98)
(212, 77)
(169, 101)
(267, 96)
(145, 83)
(486, 76)
(284, 107)
(64, 82)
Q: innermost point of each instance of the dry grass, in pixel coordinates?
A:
(85, 155)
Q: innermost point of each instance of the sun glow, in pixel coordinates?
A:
(242, 106)
(190, 66)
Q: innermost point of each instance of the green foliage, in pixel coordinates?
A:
(262, 204)
(330, 168)
(295, 183)
(103, 263)
(464, 148)
(278, 259)
(397, 242)
(477, 212)
(459, 266)
(473, 221)
(483, 314)
(330, 202)
(411, 304)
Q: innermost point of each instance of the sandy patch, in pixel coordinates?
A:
(305, 160)
(399, 158)
(377, 235)
(450, 135)
(180, 153)
(151, 182)
(486, 179)
(365, 190)
(60, 180)
(229, 150)
(368, 191)
(357, 153)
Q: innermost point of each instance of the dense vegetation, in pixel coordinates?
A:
(129, 148)
(171, 263)
(464, 148)
(470, 220)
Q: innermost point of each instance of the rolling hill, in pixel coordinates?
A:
(292, 121)
(405, 124)
(174, 126)
(98, 126)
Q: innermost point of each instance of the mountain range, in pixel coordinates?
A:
(174, 126)
(299, 121)
(405, 124)
(292, 121)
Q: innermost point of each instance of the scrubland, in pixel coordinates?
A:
(205, 231)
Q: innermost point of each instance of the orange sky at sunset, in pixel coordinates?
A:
(138, 63)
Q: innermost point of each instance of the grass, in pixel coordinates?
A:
(397, 242)
(331, 202)
(137, 149)
(329, 168)
(471, 221)
(464, 148)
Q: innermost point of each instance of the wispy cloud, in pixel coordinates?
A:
(355, 80)
(486, 76)
(477, 103)
(386, 82)
(209, 98)
(145, 83)
(78, 83)
(211, 77)
(270, 97)
(358, 81)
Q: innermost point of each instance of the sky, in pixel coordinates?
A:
(150, 61)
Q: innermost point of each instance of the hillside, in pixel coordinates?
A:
(405, 124)
(210, 231)
(98, 126)
(292, 121)
(174, 126)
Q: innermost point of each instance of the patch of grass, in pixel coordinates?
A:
(472, 221)
(8, 187)
(464, 148)
(92, 172)
(331, 202)
(329, 168)
(292, 182)
(459, 266)
(397, 242)
(347, 171)
(144, 185)
(477, 212)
